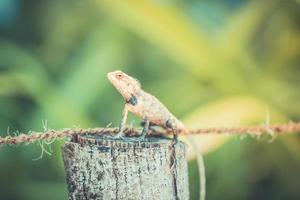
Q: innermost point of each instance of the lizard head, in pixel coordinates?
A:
(125, 84)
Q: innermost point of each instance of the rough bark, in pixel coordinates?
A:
(104, 168)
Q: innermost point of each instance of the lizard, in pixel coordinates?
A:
(152, 111)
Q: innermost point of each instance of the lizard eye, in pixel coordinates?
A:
(119, 76)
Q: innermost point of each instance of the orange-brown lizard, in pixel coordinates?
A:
(143, 105)
(151, 110)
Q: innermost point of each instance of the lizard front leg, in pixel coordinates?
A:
(123, 122)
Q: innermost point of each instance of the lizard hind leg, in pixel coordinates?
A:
(152, 126)
(146, 124)
(170, 124)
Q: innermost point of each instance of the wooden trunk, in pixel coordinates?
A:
(101, 167)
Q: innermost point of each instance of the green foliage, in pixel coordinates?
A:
(230, 61)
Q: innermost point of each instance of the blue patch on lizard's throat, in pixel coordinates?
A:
(133, 100)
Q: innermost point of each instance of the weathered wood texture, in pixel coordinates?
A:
(104, 168)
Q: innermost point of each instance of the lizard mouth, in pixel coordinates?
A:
(111, 77)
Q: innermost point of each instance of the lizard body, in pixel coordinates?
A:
(143, 104)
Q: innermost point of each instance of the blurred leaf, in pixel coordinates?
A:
(243, 26)
(169, 29)
(69, 24)
(46, 191)
(86, 77)
(27, 71)
(9, 86)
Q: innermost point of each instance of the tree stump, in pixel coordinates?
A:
(101, 167)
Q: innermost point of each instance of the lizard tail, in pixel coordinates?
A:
(201, 169)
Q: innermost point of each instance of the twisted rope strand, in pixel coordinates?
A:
(261, 129)
(52, 134)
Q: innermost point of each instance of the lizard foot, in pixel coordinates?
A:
(141, 138)
(121, 136)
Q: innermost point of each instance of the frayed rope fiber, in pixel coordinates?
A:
(53, 134)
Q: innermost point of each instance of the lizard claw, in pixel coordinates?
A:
(142, 138)
(119, 137)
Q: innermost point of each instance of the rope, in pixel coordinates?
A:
(53, 135)
(270, 129)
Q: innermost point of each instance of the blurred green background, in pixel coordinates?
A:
(212, 62)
